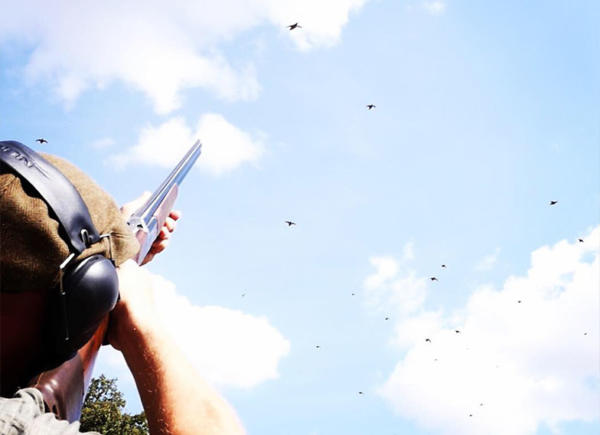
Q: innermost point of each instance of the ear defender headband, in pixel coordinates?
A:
(88, 289)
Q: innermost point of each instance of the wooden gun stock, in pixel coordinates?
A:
(64, 387)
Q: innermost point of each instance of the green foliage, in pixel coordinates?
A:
(103, 411)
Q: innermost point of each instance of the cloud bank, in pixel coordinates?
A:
(512, 366)
(230, 348)
(157, 47)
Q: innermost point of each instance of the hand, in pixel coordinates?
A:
(162, 240)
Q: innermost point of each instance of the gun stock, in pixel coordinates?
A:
(64, 387)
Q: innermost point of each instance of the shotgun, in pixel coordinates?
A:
(64, 387)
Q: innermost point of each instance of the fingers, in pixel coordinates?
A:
(169, 225)
(159, 246)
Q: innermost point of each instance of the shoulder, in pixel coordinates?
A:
(24, 414)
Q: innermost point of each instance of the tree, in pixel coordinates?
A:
(103, 411)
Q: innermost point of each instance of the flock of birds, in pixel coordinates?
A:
(433, 278)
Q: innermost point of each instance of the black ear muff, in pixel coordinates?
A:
(91, 290)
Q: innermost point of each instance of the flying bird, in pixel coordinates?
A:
(294, 26)
(457, 331)
(360, 392)
(387, 318)
(290, 223)
(353, 294)
(243, 294)
(444, 266)
(519, 301)
(553, 202)
(371, 106)
(427, 340)
(580, 240)
(318, 347)
(41, 140)
(433, 278)
(585, 333)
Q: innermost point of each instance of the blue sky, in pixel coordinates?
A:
(485, 112)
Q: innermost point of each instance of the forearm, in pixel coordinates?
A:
(176, 400)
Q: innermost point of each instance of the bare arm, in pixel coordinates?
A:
(175, 397)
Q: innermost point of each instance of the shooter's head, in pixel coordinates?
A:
(33, 244)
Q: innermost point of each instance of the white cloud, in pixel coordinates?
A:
(387, 268)
(228, 347)
(157, 47)
(224, 146)
(321, 21)
(488, 262)
(435, 7)
(528, 363)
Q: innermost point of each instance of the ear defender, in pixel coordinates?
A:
(89, 289)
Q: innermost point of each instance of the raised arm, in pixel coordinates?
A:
(175, 397)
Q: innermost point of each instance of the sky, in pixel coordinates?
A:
(485, 112)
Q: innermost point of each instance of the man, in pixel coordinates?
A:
(175, 398)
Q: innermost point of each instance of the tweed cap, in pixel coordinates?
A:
(31, 239)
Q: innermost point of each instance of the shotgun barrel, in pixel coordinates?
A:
(147, 221)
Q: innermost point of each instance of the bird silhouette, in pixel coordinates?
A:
(580, 240)
(553, 202)
(387, 318)
(457, 331)
(41, 140)
(371, 106)
(585, 333)
(318, 347)
(519, 301)
(427, 340)
(433, 278)
(353, 294)
(290, 223)
(360, 392)
(444, 266)
(243, 294)
(294, 26)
